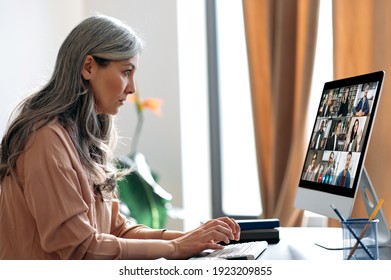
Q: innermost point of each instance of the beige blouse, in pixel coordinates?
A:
(53, 212)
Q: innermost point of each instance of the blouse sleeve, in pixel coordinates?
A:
(55, 198)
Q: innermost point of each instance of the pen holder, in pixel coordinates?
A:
(366, 232)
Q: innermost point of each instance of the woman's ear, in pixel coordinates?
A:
(86, 70)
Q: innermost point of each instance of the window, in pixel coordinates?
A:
(233, 154)
(323, 72)
(234, 166)
(233, 149)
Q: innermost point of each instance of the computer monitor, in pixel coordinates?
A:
(333, 168)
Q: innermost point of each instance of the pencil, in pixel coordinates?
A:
(352, 231)
(373, 215)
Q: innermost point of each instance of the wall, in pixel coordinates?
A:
(30, 37)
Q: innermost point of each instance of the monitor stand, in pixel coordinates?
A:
(370, 203)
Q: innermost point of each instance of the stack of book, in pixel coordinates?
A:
(260, 229)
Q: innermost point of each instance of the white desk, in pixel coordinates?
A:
(299, 243)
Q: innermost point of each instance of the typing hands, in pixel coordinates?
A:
(205, 237)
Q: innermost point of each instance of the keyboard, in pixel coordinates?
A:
(238, 251)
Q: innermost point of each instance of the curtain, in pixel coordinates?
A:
(281, 37)
(362, 44)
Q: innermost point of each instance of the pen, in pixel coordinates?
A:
(373, 215)
(351, 231)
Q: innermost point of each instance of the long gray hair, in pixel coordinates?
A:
(67, 98)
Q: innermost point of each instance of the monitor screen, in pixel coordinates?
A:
(338, 143)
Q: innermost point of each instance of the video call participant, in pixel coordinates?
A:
(327, 109)
(343, 178)
(312, 169)
(327, 176)
(332, 141)
(344, 104)
(362, 107)
(318, 137)
(353, 141)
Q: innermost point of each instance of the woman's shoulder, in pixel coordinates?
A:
(48, 128)
(50, 132)
(50, 143)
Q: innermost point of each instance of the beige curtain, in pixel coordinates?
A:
(362, 43)
(281, 38)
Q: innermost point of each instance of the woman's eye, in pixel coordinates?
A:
(128, 72)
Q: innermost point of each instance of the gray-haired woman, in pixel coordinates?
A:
(57, 197)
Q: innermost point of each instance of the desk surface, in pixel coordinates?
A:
(299, 243)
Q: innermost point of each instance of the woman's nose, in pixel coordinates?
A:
(131, 87)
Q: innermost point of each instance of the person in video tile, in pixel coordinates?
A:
(327, 176)
(319, 135)
(362, 107)
(351, 144)
(344, 106)
(343, 178)
(327, 107)
(312, 169)
(332, 141)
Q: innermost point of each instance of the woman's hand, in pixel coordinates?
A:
(205, 237)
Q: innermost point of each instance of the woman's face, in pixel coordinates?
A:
(111, 83)
(331, 158)
(355, 126)
(346, 93)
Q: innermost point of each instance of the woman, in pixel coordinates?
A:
(351, 144)
(57, 196)
(312, 169)
(344, 106)
(327, 108)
